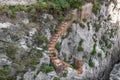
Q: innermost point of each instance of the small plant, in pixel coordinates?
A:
(76, 21)
(91, 63)
(80, 48)
(58, 46)
(109, 17)
(69, 29)
(100, 42)
(84, 56)
(41, 39)
(60, 18)
(46, 68)
(82, 25)
(56, 30)
(112, 33)
(84, 20)
(106, 53)
(97, 27)
(64, 74)
(74, 66)
(96, 8)
(94, 50)
(99, 54)
(11, 50)
(109, 46)
(56, 78)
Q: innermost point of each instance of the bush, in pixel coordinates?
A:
(60, 4)
(97, 27)
(96, 8)
(80, 48)
(40, 39)
(46, 68)
(64, 74)
(84, 20)
(69, 29)
(106, 53)
(109, 46)
(56, 78)
(99, 54)
(82, 25)
(58, 46)
(74, 66)
(91, 63)
(11, 50)
(94, 50)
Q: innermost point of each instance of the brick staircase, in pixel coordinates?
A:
(54, 59)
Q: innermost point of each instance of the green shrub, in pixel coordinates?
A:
(40, 39)
(5, 71)
(100, 42)
(80, 48)
(94, 50)
(106, 53)
(84, 56)
(96, 8)
(56, 78)
(82, 25)
(99, 54)
(109, 46)
(97, 27)
(58, 46)
(109, 17)
(64, 74)
(91, 63)
(84, 20)
(74, 66)
(11, 50)
(69, 29)
(60, 18)
(60, 4)
(56, 30)
(111, 33)
(46, 68)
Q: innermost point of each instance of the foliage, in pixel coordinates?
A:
(60, 4)
(65, 74)
(96, 8)
(40, 39)
(84, 20)
(56, 78)
(80, 48)
(11, 50)
(4, 72)
(99, 54)
(58, 46)
(46, 68)
(94, 50)
(74, 66)
(91, 63)
(97, 27)
(82, 25)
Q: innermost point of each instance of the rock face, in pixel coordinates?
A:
(115, 73)
(95, 41)
(17, 2)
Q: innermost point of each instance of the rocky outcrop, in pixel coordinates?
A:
(17, 2)
(115, 73)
